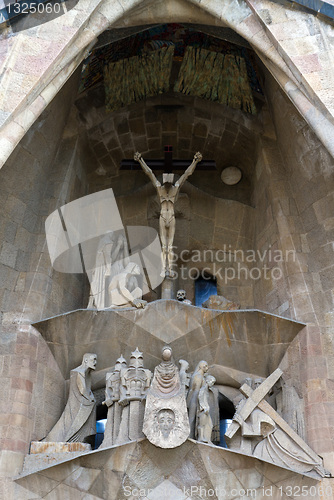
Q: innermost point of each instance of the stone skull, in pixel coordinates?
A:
(181, 295)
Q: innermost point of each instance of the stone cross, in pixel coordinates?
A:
(269, 410)
(254, 399)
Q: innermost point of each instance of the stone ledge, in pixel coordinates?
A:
(53, 447)
(226, 338)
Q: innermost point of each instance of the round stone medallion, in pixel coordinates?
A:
(231, 175)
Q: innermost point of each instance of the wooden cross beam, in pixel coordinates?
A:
(168, 165)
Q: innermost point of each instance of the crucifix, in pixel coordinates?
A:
(168, 192)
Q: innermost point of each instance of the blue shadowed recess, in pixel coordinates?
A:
(203, 289)
(224, 425)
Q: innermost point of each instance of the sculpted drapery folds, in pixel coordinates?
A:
(196, 383)
(166, 420)
(78, 421)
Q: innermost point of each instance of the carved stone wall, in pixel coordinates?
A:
(44, 172)
(292, 195)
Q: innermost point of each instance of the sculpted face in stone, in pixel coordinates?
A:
(204, 366)
(210, 380)
(167, 354)
(258, 382)
(166, 421)
(90, 361)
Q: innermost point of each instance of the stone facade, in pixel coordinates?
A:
(52, 144)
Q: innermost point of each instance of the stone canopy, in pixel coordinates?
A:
(230, 341)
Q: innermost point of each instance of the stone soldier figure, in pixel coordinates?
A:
(113, 381)
(168, 193)
(135, 381)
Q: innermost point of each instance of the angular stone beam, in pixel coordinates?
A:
(254, 398)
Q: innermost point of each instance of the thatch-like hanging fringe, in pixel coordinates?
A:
(217, 77)
(131, 80)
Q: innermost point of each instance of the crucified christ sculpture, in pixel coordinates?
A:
(168, 193)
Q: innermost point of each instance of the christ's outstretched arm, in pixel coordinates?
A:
(190, 170)
(138, 157)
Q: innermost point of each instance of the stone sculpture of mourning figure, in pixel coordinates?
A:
(78, 421)
(124, 289)
(112, 256)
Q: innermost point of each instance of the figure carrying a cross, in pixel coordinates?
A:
(168, 192)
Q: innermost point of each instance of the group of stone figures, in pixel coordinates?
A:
(173, 405)
(115, 280)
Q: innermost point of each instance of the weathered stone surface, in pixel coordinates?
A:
(221, 303)
(289, 183)
(232, 333)
(164, 472)
(57, 447)
(78, 421)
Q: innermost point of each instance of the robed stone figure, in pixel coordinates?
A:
(166, 423)
(78, 420)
